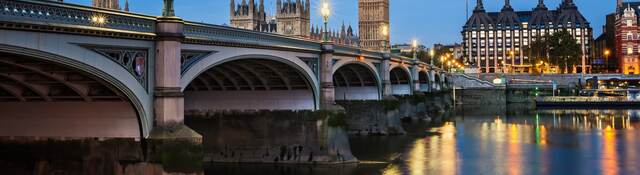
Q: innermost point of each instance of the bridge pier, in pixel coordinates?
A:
(327, 89)
(386, 75)
(170, 137)
(415, 74)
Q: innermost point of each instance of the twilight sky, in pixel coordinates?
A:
(429, 21)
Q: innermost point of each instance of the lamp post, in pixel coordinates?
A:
(414, 45)
(326, 12)
(606, 60)
(512, 54)
(432, 53)
(384, 32)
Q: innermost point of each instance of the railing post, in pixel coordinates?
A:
(386, 75)
(327, 89)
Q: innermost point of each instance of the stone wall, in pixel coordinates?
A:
(288, 137)
(481, 96)
(385, 117)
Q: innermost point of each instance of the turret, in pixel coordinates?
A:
(252, 7)
(479, 7)
(232, 8)
(507, 6)
(298, 7)
(541, 5)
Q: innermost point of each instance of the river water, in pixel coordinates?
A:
(513, 140)
(491, 140)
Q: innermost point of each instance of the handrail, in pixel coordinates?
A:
(52, 13)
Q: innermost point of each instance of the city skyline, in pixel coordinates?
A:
(449, 16)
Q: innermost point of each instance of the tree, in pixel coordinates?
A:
(564, 50)
(559, 49)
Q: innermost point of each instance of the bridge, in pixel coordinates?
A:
(71, 71)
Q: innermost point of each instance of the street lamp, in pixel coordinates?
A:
(326, 12)
(513, 57)
(414, 45)
(384, 31)
(607, 52)
(432, 53)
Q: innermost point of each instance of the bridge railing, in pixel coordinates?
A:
(216, 33)
(47, 13)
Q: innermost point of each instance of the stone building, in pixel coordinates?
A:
(343, 37)
(627, 37)
(110, 4)
(292, 18)
(489, 39)
(373, 17)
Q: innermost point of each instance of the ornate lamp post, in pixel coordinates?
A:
(384, 31)
(326, 12)
(414, 45)
(168, 8)
(607, 52)
(432, 53)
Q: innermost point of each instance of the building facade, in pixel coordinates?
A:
(292, 18)
(496, 41)
(604, 48)
(110, 4)
(627, 37)
(373, 17)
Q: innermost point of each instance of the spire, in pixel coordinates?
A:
(507, 6)
(261, 12)
(298, 7)
(618, 5)
(541, 5)
(126, 5)
(479, 7)
(252, 7)
(307, 8)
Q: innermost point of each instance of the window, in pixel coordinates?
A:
(629, 50)
(629, 23)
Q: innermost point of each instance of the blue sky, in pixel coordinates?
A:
(429, 21)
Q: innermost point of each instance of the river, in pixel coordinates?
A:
(513, 140)
(491, 140)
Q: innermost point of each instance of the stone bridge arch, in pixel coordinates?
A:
(356, 80)
(51, 95)
(400, 77)
(424, 80)
(250, 82)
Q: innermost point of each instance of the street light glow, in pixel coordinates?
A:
(326, 11)
(414, 43)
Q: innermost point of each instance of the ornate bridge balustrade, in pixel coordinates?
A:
(155, 68)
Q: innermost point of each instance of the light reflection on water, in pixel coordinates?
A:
(481, 140)
(541, 142)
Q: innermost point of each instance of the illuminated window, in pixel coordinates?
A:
(629, 50)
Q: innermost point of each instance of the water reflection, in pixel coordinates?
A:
(481, 140)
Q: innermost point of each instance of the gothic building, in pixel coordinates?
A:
(343, 37)
(373, 17)
(496, 41)
(292, 18)
(627, 37)
(110, 4)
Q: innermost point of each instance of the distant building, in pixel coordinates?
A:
(110, 4)
(373, 16)
(627, 37)
(344, 36)
(292, 18)
(604, 47)
(490, 38)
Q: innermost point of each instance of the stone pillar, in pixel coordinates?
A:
(415, 72)
(327, 89)
(170, 139)
(169, 101)
(386, 75)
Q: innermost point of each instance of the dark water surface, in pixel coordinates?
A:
(489, 140)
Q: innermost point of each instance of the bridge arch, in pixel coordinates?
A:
(250, 82)
(48, 95)
(356, 80)
(400, 77)
(424, 81)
